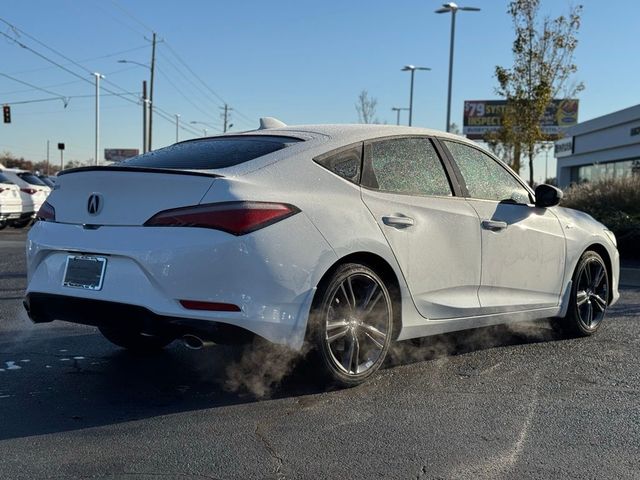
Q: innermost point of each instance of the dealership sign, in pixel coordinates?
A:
(563, 147)
(485, 116)
(120, 154)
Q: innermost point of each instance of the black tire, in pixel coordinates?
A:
(351, 325)
(134, 340)
(589, 298)
(3, 224)
(21, 223)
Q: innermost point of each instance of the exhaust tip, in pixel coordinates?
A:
(193, 342)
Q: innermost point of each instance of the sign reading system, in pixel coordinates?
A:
(484, 116)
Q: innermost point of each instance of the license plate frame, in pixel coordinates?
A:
(86, 272)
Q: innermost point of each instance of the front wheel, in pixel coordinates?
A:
(352, 324)
(134, 340)
(589, 298)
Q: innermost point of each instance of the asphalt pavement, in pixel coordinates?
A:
(493, 403)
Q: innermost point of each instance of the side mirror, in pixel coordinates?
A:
(547, 196)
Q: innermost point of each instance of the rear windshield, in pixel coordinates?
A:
(46, 181)
(211, 153)
(4, 179)
(31, 179)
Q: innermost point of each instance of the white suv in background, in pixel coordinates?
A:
(10, 202)
(33, 193)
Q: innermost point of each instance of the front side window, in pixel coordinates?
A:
(407, 165)
(485, 178)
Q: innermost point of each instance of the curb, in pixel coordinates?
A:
(630, 277)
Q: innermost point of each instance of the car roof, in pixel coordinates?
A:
(349, 132)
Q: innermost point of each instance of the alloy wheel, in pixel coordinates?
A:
(592, 293)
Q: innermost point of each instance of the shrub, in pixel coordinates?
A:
(615, 203)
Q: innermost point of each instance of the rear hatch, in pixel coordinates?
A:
(124, 196)
(172, 177)
(9, 195)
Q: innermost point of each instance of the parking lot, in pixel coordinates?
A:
(493, 403)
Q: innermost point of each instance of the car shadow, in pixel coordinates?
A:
(69, 380)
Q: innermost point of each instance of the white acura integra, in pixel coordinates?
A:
(348, 237)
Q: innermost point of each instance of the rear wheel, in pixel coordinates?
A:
(589, 297)
(134, 340)
(352, 324)
(21, 223)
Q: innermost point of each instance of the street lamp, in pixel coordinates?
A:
(146, 103)
(194, 122)
(453, 8)
(398, 110)
(177, 115)
(412, 69)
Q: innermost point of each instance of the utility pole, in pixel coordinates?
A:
(97, 144)
(227, 110)
(398, 110)
(47, 157)
(144, 116)
(177, 125)
(153, 68)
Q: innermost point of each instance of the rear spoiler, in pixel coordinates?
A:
(105, 168)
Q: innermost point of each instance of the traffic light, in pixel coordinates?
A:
(6, 113)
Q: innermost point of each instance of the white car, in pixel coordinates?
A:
(10, 203)
(33, 193)
(348, 237)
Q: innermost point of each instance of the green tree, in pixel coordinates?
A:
(543, 52)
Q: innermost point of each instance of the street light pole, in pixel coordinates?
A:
(153, 69)
(412, 69)
(398, 110)
(97, 143)
(453, 8)
(177, 125)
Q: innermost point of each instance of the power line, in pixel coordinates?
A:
(61, 97)
(131, 15)
(67, 98)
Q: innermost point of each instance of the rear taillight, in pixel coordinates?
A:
(237, 218)
(46, 213)
(30, 191)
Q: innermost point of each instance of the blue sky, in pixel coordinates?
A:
(300, 61)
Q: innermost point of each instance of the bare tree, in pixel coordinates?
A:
(366, 108)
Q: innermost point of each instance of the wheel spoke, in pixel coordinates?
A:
(351, 354)
(370, 293)
(353, 295)
(337, 335)
(589, 314)
(374, 331)
(598, 277)
(581, 297)
(376, 342)
(600, 302)
(587, 273)
(346, 296)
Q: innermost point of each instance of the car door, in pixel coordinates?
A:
(523, 246)
(434, 235)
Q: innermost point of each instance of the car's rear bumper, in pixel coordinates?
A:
(267, 274)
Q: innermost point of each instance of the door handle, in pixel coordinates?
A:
(493, 225)
(397, 221)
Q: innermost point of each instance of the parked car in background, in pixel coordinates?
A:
(48, 180)
(10, 202)
(33, 193)
(346, 237)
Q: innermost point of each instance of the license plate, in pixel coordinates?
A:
(83, 271)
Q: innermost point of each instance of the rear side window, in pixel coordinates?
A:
(211, 153)
(4, 179)
(345, 162)
(31, 179)
(406, 165)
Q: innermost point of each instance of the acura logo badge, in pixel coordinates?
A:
(94, 205)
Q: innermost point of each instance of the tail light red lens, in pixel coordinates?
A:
(30, 191)
(237, 218)
(46, 213)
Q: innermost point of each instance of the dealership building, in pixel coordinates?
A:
(601, 148)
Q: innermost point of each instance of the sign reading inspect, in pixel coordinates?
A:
(484, 116)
